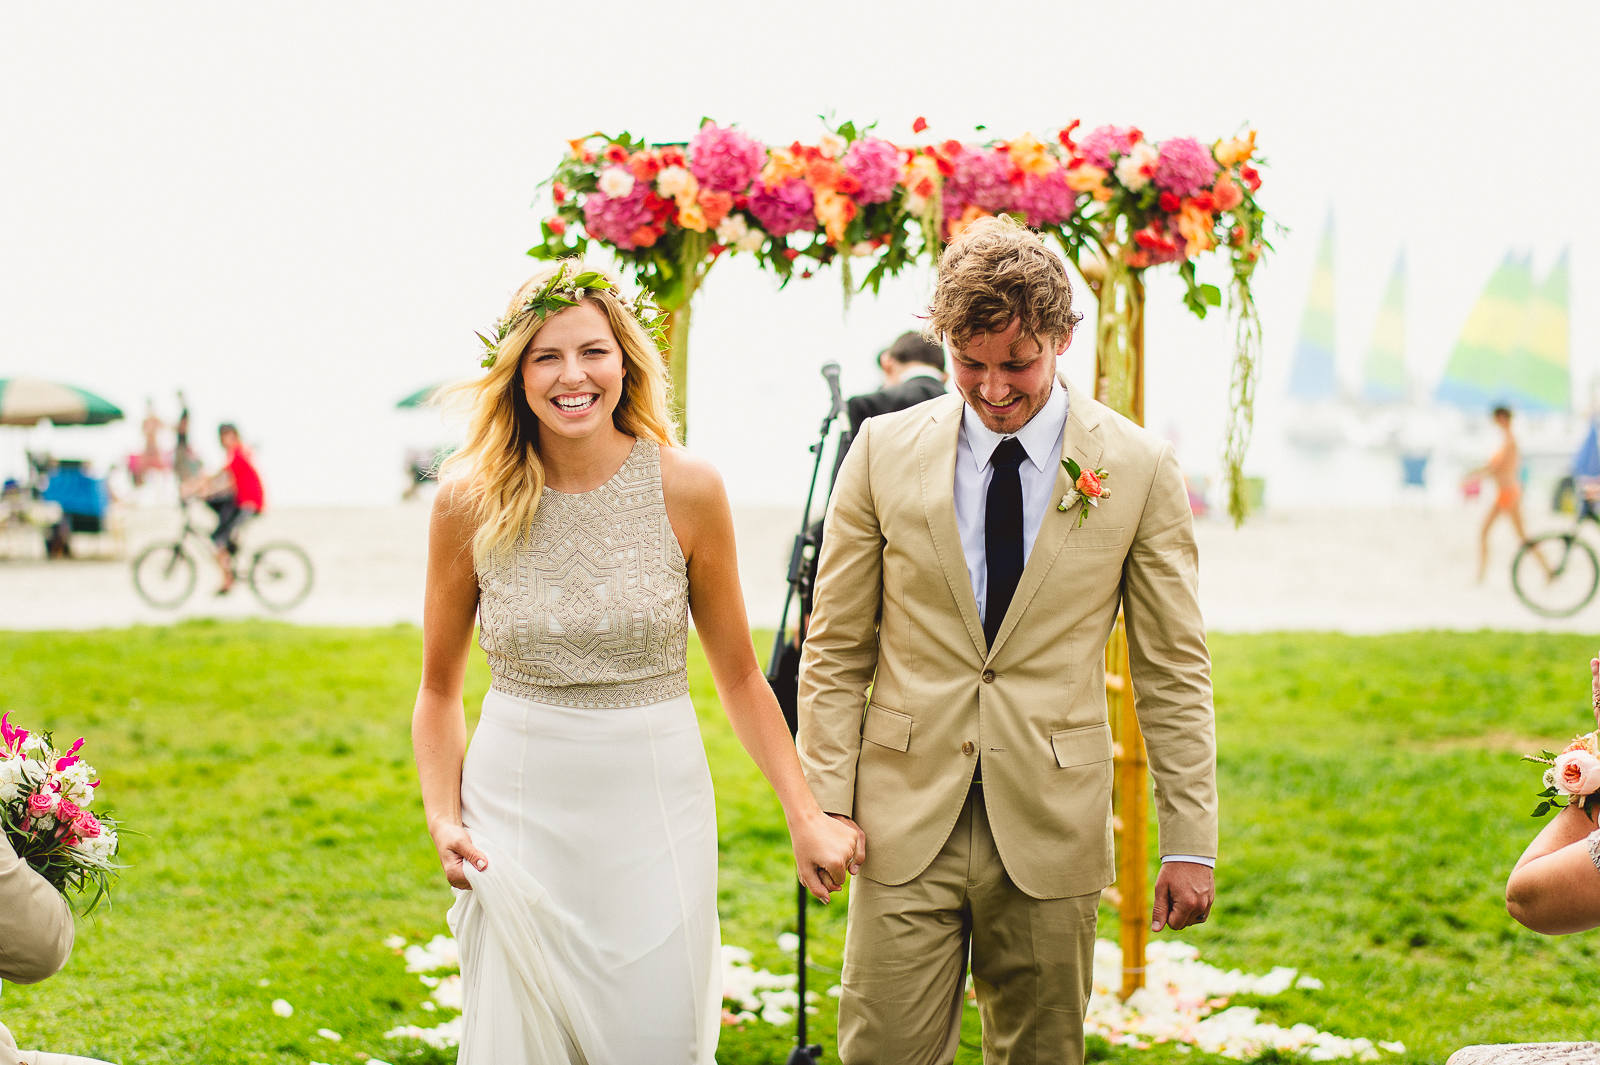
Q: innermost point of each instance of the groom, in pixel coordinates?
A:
(952, 690)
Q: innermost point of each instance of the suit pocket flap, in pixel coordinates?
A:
(1082, 746)
(887, 728)
(1091, 535)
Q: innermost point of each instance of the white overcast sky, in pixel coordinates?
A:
(301, 211)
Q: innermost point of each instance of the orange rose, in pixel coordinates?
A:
(1089, 484)
(1090, 179)
(715, 206)
(1232, 152)
(969, 216)
(1226, 193)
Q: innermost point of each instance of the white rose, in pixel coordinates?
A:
(11, 779)
(1130, 168)
(732, 228)
(752, 240)
(675, 180)
(615, 181)
(832, 145)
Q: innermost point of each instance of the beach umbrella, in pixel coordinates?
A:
(418, 398)
(29, 401)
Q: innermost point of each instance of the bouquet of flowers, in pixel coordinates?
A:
(1572, 776)
(45, 795)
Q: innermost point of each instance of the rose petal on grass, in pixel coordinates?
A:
(330, 1035)
(282, 1008)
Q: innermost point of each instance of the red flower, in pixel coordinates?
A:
(919, 125)
(672, 156)
(616, 153)
(805, 273)
(1065, 136)
(1236, 237)
(645, 236)
(643, 167)
(1203, 201)
(791, 254)
(1170, 202)
(718, 249)
(558, 192)
(848, 184)
(1251, 177)
(555, 224)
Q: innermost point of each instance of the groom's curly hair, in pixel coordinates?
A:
(995, 271)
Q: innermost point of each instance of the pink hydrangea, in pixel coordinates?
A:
(723, 159)
(876, 164)
(1045, 200)
(1099, 144)
(782, 209)
(980, 178)
(615, 219)
(1184, 167)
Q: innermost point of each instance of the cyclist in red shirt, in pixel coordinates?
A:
(234, 492)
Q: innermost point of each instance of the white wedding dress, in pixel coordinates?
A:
(592, 935)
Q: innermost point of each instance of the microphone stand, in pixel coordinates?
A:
(802, 574)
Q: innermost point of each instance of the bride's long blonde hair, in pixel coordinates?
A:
(499, 465)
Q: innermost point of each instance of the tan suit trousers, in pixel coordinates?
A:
(907, 949)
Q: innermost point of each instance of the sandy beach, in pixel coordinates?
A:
(1356, 571)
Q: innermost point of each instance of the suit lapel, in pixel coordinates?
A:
(1080, 442)
(936, 465)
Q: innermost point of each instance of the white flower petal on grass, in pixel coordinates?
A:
(330, 1035)
(439, 953)
(263, 982)
(1308, 983)
(430, 1006)
(443, 1037)
(395, 943)
(788, 942)
(282, 1008)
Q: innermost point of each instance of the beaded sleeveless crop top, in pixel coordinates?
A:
(590, 607)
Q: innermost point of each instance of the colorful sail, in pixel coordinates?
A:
(1538, 378)
(1478, 374)
(1312, 373)
(1383, 375)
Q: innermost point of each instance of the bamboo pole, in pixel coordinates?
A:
(1119, 378)
(676, 358)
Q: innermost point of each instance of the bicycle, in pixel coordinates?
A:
(1564, 582)
(164, 574)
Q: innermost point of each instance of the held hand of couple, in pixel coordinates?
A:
(1184, 894)
(455, 846)
(826, 851)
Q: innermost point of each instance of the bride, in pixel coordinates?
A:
(579, 829)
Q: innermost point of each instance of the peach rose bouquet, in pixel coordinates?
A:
(45, 796)
(1571, 776)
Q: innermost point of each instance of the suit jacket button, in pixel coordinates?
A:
(988, 676)
(966, 748)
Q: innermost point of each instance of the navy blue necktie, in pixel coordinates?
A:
(1002, 533)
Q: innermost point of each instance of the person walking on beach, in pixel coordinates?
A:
(1505, 467)
(234, 491)
(952, 686)
(579, 828)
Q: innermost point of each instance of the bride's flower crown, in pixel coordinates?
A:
(561, 292)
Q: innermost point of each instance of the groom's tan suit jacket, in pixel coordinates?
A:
(900, 696)
(35, 933)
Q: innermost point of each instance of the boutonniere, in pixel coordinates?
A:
(1088, 488)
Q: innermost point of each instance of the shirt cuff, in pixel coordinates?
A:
(1210, 863)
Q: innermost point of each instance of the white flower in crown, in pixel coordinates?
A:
(615, 181)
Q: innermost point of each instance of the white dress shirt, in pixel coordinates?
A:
(1041, 438)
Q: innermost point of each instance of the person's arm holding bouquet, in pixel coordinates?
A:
(1555, 886)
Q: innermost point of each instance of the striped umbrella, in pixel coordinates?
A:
(419, 398)
(29, 400)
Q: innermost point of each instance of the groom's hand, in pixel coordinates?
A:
(1184, 894)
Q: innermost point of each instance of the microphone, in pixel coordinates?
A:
(830, 373)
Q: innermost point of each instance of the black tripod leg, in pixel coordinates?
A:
(803, 1054)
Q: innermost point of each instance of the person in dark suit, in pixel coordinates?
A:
(913, 372)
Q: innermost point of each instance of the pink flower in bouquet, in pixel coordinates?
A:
(724, 159)
(11, 737)
(1577, 773)
(783, 208)
(875, 163)
(1100, 143)
(979, 177)
(41, 803)
(66, 809)
(1047, 200)
(1184, 166)
(618, 219)
(86, 826)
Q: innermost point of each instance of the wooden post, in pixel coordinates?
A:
(676, 358)
(1119, 379)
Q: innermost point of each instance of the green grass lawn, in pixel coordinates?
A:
(1373, 803)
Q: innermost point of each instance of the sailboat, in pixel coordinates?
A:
(1316, 422)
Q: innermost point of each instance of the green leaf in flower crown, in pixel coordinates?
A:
(486, 341)
(1073, 469)
(590, 279)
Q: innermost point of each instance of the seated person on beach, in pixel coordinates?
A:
(1555, 887)
(234, 492)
